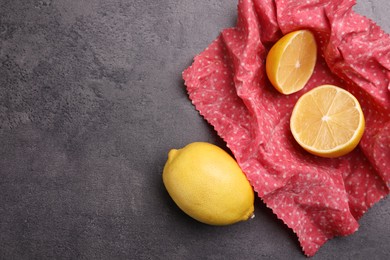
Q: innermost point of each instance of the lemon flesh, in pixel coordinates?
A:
(291, 60)
(208, 184)
(327, 121)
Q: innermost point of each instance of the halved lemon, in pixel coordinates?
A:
(291, 60)
(327, 121)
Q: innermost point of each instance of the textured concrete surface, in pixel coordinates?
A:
(91, 100)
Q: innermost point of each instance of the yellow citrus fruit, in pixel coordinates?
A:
(291, 60)
(327, 121)
(208, 185)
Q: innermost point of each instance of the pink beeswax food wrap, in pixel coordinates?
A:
(318, 198)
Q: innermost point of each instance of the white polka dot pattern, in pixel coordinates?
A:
(317, 198)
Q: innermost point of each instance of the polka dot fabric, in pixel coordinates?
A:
(318, 198)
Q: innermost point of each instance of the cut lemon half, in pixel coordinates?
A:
(327, 121)
(291, 60)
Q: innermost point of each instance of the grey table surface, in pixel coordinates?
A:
(91, 100)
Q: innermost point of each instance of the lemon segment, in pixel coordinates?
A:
(327, 121)
(291, 60)
(208, 184)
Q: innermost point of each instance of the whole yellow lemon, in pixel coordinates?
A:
(208, 185)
